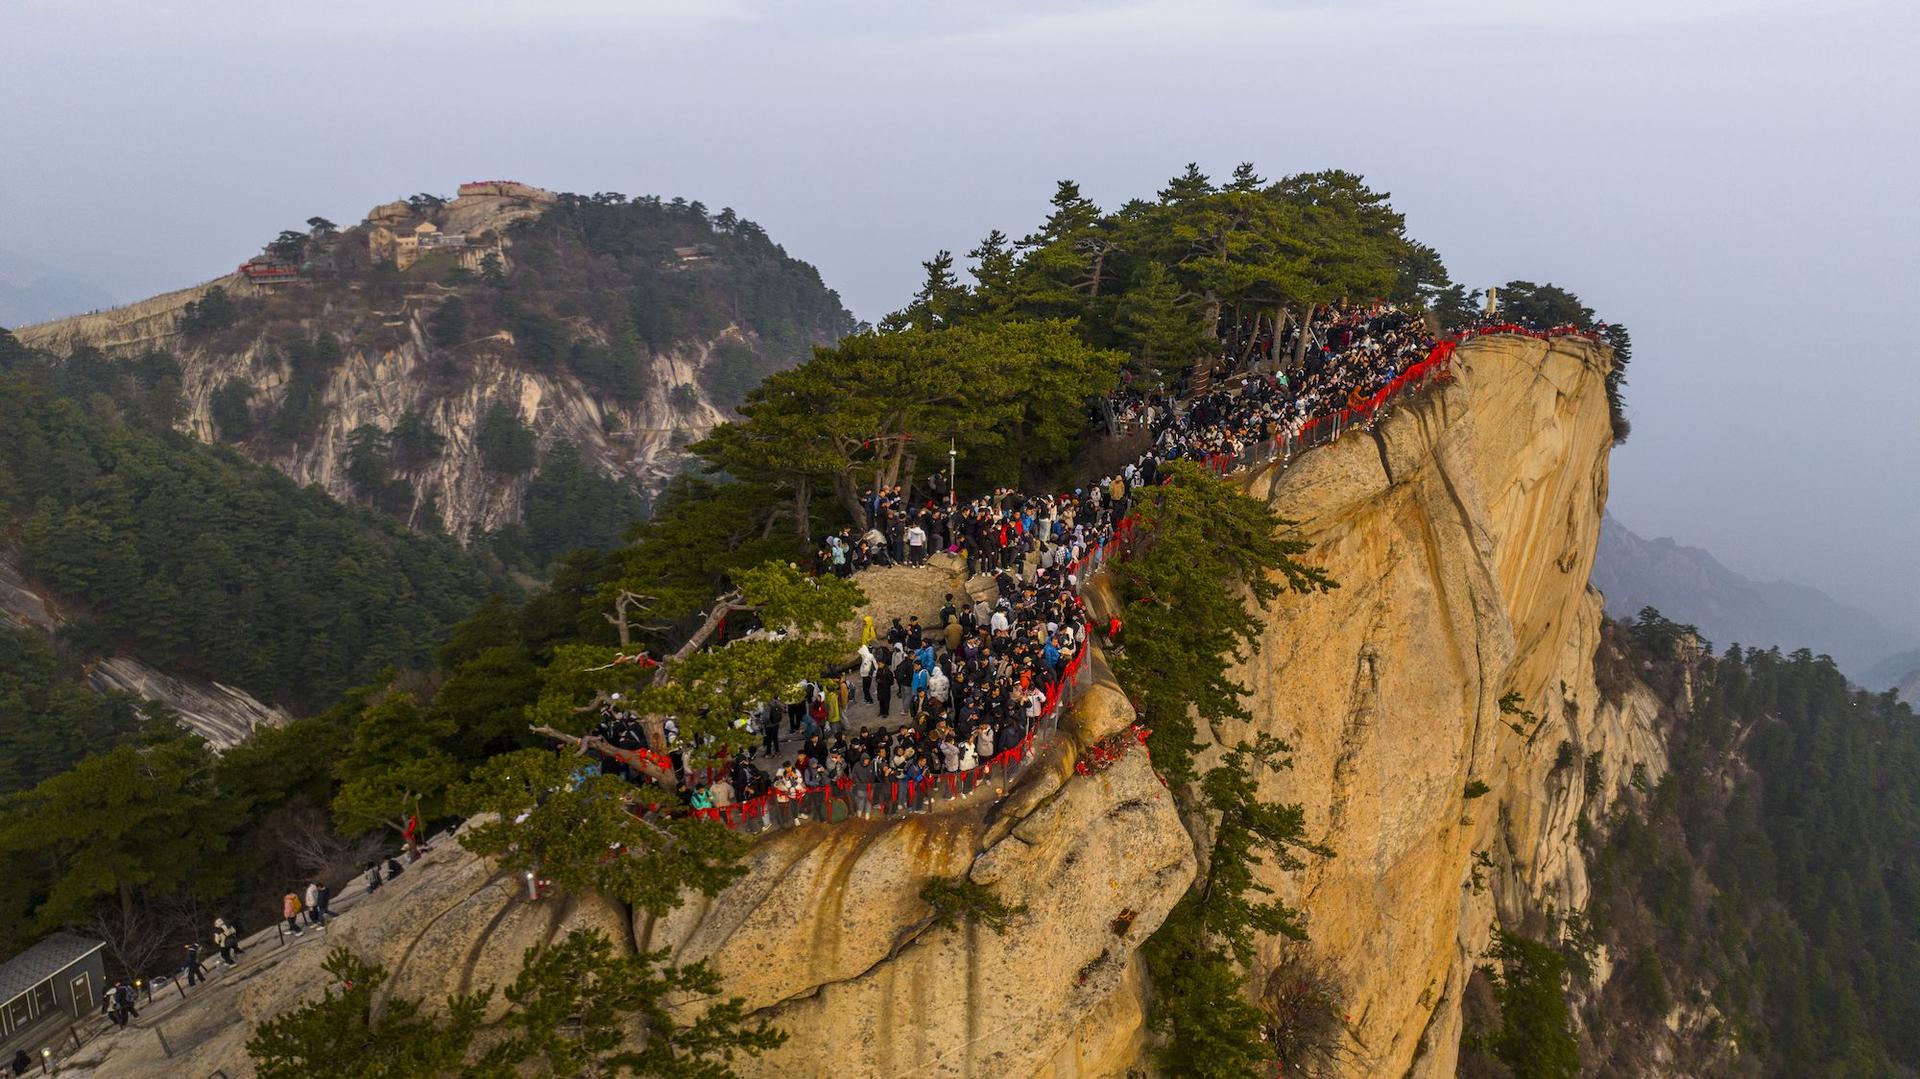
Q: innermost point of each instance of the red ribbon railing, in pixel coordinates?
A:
(1437, 364)
(890, 795)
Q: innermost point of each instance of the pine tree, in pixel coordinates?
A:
(394, 768)
(576, 1007)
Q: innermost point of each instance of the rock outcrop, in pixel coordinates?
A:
(641, 437)
(826, 934)
(224, 715)
(391, 364)
(1462, 530)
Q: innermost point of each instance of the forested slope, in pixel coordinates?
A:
(1759, 905)
(201, 561)
(529, 386)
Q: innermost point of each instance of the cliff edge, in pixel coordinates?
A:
(1462, 529)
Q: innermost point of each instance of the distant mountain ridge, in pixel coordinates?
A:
(1688, 584)
(519, 344)
(31, 291)
(1901, 672)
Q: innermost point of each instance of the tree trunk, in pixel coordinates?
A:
(1253, 339)
(803, 507)
(581, 745)
(845, 493)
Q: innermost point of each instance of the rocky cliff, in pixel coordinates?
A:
(597, 334)
(224, 715)
(640, 437)
(1462, 530)
(826, 932)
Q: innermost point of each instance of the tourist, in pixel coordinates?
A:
(196, 973)
(290, 909)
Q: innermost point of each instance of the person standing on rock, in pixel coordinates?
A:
(195, 972)
(290, 910)
(315, 916)
(867, 664)
(916, 544)
(225, 939)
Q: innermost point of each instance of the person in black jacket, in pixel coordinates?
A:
(195, 972)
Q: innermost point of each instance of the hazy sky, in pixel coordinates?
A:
(1731, 178)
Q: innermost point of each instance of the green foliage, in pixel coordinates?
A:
(1536, 1033)
(1546, 306)
(699, 536)
(1196, 958)
(204, 564)
(1206, 551)
(414, 442)
(618, 254)
(289, 246)
(1012, 395)
(1773, 869)
(1476, 788)
(1657, 636)
(707, 687)
(354, 1030)
(962, 900)
(211, 313)
(577, 1007)
(232, 409)
(127, 822)
(1162, 329)
(310, 363)
(505, 442)
(571, 504)
(368, 458)
(394, 767)
(492, 271)
(278, 765)
(49, 718)
(447, 326)
(555, 816)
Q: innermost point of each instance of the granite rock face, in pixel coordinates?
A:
(644, 437)
(1462, 530)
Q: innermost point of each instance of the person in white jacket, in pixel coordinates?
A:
(867, 666)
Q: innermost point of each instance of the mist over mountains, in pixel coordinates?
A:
(32, 291)
(1688, 584)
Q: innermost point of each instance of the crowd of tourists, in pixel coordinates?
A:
(943, 699)
(972, 685)
(1351, 353)
(995, 532)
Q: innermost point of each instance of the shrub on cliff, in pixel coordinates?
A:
(1206, 552)
(577, 1007)
(505, 442)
